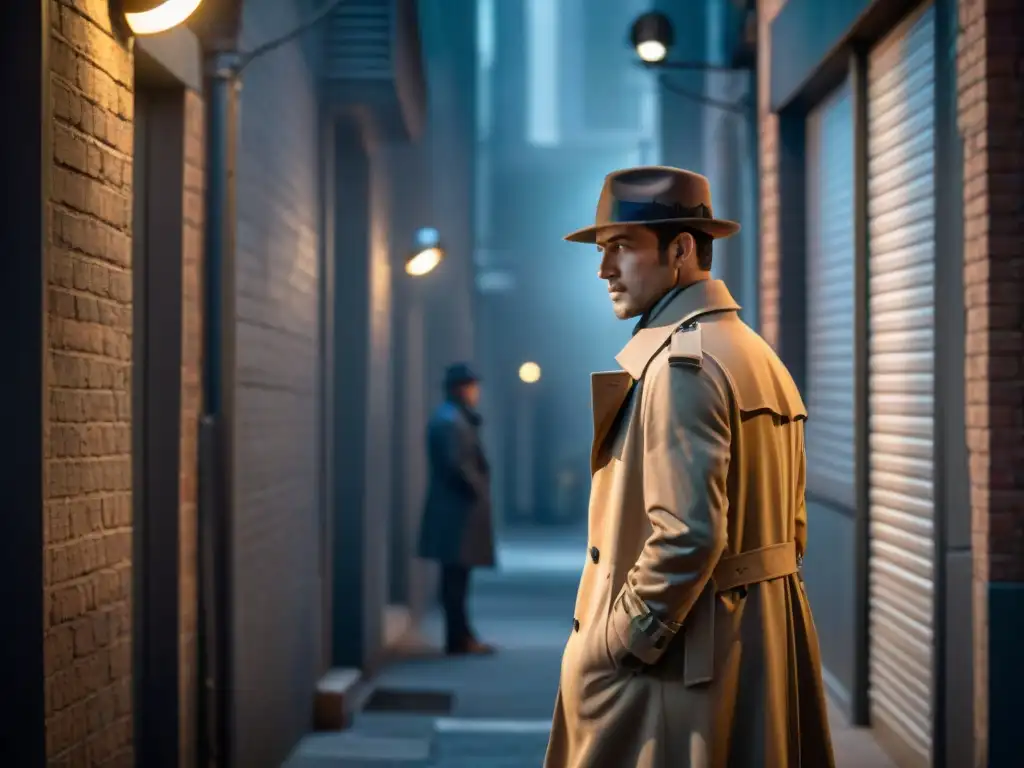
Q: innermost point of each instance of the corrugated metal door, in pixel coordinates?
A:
(830, 291)
(901, 227)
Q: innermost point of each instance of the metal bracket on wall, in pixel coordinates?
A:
(744, 107)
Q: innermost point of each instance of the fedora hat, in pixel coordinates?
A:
(457, 374)
(655, 195)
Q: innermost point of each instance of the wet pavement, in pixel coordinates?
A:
(500, 705)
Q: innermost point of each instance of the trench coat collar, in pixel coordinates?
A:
(701, 298)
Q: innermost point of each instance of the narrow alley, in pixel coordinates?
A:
(500, 706)
(492, 712)
(270, 262)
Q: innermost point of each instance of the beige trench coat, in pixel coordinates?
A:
(693, 644)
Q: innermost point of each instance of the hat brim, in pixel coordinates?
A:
(717, 228)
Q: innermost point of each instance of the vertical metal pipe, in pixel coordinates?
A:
(215, 565)
(860, 704)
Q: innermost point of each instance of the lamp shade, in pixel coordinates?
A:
(426, 252)
(150, 17)
(652, 37)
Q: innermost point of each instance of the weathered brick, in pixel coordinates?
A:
(990, 54)
(768, 163)
(191, 401)
(87, 471)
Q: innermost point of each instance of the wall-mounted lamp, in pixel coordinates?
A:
(529, 373)
(426, 254)
(652, 37)
(150, 17)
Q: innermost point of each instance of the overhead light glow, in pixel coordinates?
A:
(161, 18)
(529, 373)
(652, 51)
(424, 261)
(426, 254)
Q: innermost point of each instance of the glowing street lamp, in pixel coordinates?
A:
(150, 17)
(652, 37)
(427, 253)
(529, 373)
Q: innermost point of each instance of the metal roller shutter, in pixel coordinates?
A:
(830, 292)
(901, 214)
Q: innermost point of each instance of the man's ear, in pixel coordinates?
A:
(683, 247)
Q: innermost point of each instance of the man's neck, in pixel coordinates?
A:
(664, 299)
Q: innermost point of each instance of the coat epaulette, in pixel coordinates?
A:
(685, 349)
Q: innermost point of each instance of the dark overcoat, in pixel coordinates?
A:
(457, 527)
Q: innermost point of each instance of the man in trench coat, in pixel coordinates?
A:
(692, 643)
(457, 530)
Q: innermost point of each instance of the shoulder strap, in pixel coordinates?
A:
(685, 348)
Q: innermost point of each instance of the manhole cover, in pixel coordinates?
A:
(416, 702)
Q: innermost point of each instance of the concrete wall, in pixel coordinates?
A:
(449, 44)
(87, 375)
(682, 118)
(410, 209)
(276, 579)
(379, 403)
(360, 391)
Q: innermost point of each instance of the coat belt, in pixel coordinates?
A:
(732, 572)
(755, 566)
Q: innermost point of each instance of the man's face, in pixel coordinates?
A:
(636, 273)
(471, 394)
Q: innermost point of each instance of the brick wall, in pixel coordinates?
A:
(769, 165)
(87, 430)
(991, 108)
(276, 576)
(191, 401)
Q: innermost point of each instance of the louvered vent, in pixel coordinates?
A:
(358, 41)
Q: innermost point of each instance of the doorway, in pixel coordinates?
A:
(158, 202)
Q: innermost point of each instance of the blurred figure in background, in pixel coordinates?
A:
(456, 530)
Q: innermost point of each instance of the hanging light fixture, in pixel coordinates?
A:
(652, 37)
(150, 17)
(426, 254)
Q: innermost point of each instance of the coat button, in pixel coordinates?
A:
(575, 625)
(595, 554)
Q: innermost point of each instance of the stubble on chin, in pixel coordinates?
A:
(623, 311)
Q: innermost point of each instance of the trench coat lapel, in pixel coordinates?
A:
(608, 391)
(611, 389)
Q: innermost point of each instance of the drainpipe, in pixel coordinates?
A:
(215, 451)
(223, 72)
